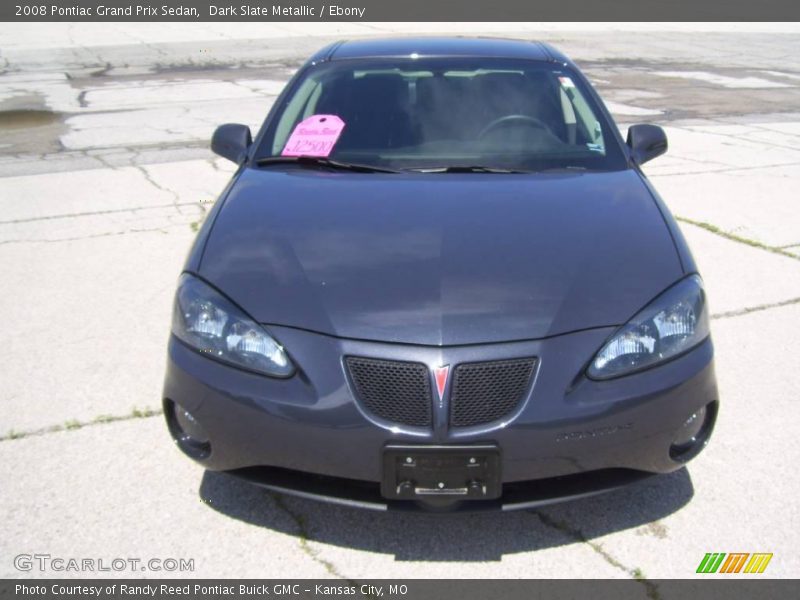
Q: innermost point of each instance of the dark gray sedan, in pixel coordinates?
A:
(440, 279)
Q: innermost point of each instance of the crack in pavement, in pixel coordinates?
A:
(741, 137)
(162, 229)
(577, 535)
(301, 523)
(725, 169)
(751, 309)
(74, 424)
(149, 178)
(94, 213)
(215, 165)
(99, 158)
(736, 238)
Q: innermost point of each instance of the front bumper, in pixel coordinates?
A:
(570, 437)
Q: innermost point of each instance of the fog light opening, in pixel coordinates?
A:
(693, 434)
(187, 432)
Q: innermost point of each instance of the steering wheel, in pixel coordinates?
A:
(504, 121)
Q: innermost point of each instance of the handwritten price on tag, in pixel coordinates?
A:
(314, 136)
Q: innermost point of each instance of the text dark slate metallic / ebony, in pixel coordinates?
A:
(439, 279)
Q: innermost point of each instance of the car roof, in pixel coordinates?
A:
(441, 46)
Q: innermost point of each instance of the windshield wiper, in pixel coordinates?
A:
(467, 169)
(561, 169)
(320, 161)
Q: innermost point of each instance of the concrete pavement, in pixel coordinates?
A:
(104, 177)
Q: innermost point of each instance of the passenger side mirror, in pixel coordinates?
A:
(231, 141)
(646, 142)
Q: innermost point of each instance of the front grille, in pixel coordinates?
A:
(396, 391)
(488, 391)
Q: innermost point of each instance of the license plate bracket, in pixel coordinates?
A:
(416, 472)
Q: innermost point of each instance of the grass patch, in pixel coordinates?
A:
(195, 225)
(143, 413)
(105, 419)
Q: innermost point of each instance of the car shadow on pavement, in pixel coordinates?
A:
(453, 537)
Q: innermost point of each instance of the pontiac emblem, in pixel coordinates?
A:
(440, 374)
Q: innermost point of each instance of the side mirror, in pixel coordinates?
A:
(646, 142)
(231, 141)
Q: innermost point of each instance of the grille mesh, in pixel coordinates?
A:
(487, 391)
(396, 391)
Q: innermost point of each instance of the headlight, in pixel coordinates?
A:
(213, 325)
(671, 324)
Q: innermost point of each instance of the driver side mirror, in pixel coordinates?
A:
(646, 142)
(231, 141)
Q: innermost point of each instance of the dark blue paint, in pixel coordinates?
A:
(440, 259)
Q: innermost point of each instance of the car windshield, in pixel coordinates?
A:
(448, 114)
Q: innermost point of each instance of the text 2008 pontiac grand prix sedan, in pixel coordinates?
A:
(440, 279)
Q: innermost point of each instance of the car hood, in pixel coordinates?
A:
(439, 259)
